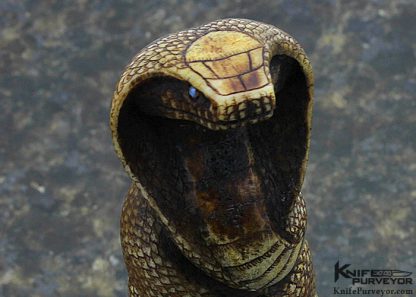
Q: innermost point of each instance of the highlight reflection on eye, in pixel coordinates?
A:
(193, 93)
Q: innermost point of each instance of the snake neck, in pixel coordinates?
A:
(157, 266)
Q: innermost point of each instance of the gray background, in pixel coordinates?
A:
(61, 186)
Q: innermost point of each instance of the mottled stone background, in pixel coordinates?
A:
(61, 186)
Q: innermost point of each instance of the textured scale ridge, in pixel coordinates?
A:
(215, 207)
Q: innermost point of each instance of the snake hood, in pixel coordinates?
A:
(213, 126)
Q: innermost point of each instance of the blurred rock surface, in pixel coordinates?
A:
(61, 186)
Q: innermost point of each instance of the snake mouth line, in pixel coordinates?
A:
(221, 117)
(216, 124)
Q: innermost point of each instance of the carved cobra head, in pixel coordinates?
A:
(213, 126)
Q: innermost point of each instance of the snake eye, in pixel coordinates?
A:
(193, 93)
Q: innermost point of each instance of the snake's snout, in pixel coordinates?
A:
(240, 111)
